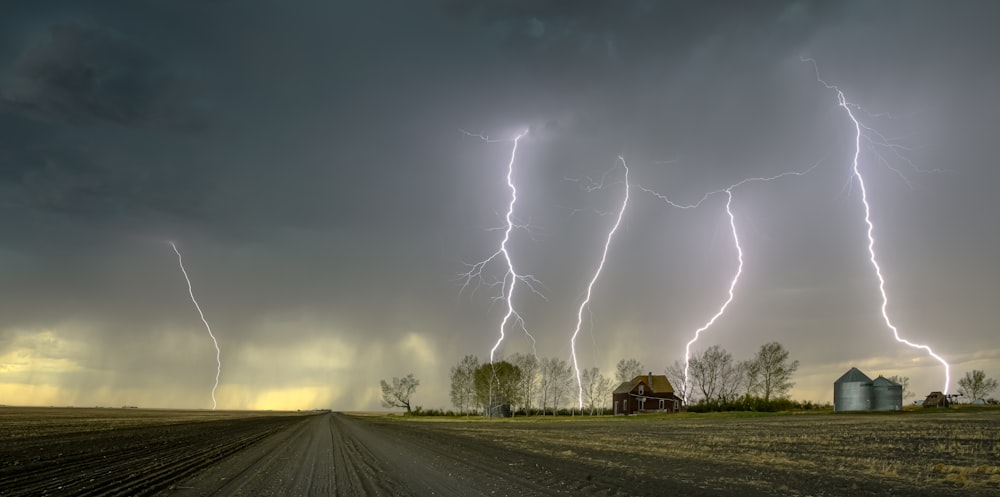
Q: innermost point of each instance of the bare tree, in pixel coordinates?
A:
(496, 384)
(463, 385)
(596, 388)
(734, 380)
(528, 364)
(773, 371)
(675, 374)
(544, 383)
(398, 393)
(752, 377)
(905, 382)
(714, 374)
(554, 383)
(626, 369)
(975, 385)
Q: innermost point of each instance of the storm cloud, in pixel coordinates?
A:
(314, 164)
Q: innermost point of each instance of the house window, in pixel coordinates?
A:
(642, 390)
(642, 404)
(662, 404)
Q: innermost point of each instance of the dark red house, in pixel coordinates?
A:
(645, 394)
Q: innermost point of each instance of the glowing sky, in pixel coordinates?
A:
(307, 160)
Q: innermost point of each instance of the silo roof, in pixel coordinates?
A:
(882, 381)
(853, 375)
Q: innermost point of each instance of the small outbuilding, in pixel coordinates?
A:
(937, 399)
(645, 394)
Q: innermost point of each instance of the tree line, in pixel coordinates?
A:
(715, 381)
(714, 377)
(524, 384)
(528, 385)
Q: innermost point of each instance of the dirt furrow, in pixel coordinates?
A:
(134, 461)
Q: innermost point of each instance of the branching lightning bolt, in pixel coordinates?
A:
(218, 353)
(510, 278)
(590, 286)
(739, 254)
(856, 173)
(732, 289)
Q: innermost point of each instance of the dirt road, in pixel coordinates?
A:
(337, 454)
(341, 455)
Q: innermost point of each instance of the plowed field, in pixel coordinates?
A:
(200, 453)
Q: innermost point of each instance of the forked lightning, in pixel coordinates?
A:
(856, 173)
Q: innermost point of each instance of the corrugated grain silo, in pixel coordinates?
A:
(887, 395)
(852, 392)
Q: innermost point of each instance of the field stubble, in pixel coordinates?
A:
(142, 452)
(916, 451)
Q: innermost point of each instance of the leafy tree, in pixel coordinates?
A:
(463, 384)
(905, 382)
(975, 385)
(771, 371)
(626, 369)
(596, 389)
(398, 393)
(496, 384)
(528, 364)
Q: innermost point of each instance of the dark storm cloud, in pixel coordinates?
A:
(76, 73)
(53, 182)
(618, 66)
(630, 30)
(328, 206)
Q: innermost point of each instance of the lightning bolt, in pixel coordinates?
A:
(218, 353)
(872, 257)
(511, 277)
(590, 286)
(739, 253)
(731, 292)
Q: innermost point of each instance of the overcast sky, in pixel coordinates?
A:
(309, 161)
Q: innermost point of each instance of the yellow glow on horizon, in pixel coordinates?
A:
(20, 394)
(39, 352)
(290, 399)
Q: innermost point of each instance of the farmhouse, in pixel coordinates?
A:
(645, 394)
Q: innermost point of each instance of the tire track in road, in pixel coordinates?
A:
(316, 458)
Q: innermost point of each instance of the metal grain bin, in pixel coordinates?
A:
(887, 395)
(852, 392)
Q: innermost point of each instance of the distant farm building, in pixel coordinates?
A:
(645, 394)
(501, 411)
(937, 399)
(855, 391)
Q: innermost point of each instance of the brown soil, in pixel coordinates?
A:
(136, 452)
(119, 451)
